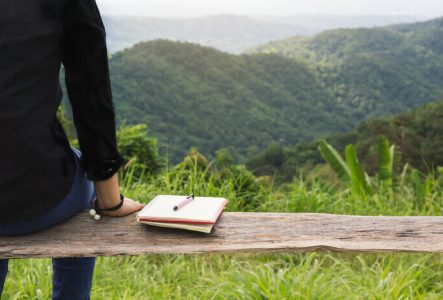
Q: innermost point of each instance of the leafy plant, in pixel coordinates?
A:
(335, 161)
(385, 162)
(360, 183)
(351, 171)
(138, 148)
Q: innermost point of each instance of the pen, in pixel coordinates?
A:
(184, 202)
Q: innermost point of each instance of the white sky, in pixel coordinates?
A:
(162, 8)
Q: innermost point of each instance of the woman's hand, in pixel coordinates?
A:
(129, 207)
(108, 193)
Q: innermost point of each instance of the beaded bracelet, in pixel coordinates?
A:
(95, 212)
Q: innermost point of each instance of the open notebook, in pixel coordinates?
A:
(198, 215)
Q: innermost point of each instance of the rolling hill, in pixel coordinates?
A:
(376, 69)
(191, 95)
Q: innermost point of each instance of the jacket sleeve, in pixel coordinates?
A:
(88, 84)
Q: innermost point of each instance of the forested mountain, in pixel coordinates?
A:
(190, 95)
(232, 33)
(374, 69)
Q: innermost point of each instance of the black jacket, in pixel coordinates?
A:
(37, 166)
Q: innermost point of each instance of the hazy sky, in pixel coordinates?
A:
(268, 7)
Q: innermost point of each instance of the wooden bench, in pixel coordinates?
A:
(234, 232)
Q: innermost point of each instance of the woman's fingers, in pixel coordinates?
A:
(129, 207)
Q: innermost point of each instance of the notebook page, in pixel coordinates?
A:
(203, 209)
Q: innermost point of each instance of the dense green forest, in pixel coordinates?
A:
(195, 96)
(417, 135)
(190, 95)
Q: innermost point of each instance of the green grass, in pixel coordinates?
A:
(246, 276)
(259, 276)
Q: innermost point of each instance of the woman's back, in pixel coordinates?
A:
(37, 164)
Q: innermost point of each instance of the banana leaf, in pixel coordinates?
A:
(385, 161)
(335, 160)
(359, 179)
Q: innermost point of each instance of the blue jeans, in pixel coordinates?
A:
(72, 277)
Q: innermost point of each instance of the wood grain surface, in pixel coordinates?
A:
(234, 232)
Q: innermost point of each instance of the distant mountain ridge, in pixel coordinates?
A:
(232, 33)
(229, 33)
(339, 44)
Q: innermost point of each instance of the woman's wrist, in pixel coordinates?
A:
(108, 192)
